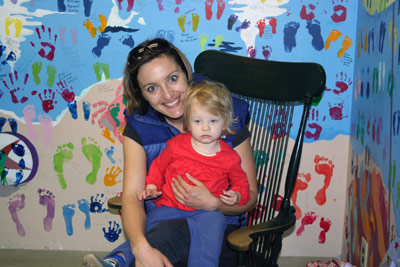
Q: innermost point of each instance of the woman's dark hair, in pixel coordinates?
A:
(142, 54)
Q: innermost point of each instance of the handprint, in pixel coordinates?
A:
(42, 53)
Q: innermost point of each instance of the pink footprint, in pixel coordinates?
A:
(300, 185)
(325, 225)
(29, 116)
(323, 166)
(16, 203)
(46, 198)
(47, 125)
(308, 219)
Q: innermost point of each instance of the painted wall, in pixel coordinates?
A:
(61, 107)
(372, 210)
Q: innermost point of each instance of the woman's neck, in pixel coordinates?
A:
(177, 123)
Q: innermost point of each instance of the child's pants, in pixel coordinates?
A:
(207, 230)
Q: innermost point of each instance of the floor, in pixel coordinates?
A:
(45, 258)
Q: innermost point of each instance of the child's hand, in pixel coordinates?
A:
(149, 194)
(230, 197)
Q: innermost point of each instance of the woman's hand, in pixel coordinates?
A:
(195, 196)
(151, 257)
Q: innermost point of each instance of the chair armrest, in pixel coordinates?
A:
(115, 202)
(241, 239)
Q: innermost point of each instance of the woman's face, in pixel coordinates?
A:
(164, 86)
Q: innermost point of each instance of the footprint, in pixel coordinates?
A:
(62, 156)
(308, 219)
(86, 106)
(325, 224)
(93, 154)
(209, 13)
(232, 19)
(102, 42)
(16, 203)
(68, 213)
(181, 22)
(333, 36)
(266, 51)
(84, 206)
(195, 21)
(323, 166)
(51, 73)
(47, 199)
(220, 8)
(47, 125)
(314, 29)
(289, 35)
(13, 125)
(29, 115)
(87, 4)
(300, 185)
(218, 40)
(110, 153)
(347, 42)
(36, 69)
(73, 109)
(203, 40)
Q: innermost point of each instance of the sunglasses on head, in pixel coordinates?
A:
(153, 46)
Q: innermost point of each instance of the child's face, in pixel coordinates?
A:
(205, 127)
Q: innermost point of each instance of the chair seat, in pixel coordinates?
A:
(115, 202)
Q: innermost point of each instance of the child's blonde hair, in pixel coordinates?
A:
(214, 97)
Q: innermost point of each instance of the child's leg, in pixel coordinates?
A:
(163, 213)
(207, 233)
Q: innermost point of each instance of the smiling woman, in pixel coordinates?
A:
(156, 80)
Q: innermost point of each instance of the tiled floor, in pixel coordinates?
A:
(46, 258)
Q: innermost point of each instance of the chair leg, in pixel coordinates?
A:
(241, 259)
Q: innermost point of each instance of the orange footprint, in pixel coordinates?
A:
(323, 166)
(347, 42)
(300, 185)
(333, 36)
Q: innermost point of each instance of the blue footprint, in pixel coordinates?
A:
(68, 212)
(85, 208)
(73, 109)
(289, 35)
(86, 110)
(102, 42)
(314, 29)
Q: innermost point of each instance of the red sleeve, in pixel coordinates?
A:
(239, 181)
(159, 165)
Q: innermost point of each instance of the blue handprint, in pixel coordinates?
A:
(96, 204)
(114, 230)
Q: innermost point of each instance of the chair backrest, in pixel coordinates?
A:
(272, 89)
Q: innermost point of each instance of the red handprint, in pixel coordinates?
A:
(47, 100)
(66, 94)
(42, 53)
(15, 87)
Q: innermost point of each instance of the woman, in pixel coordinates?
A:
(156, 79)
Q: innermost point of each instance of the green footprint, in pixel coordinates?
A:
(93, 154)
(96, 68)
(63, 155)
(36, 69)
(106, 70)
(51, 73)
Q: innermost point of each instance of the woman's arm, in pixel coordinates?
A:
(199, 197)
(133, 214)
